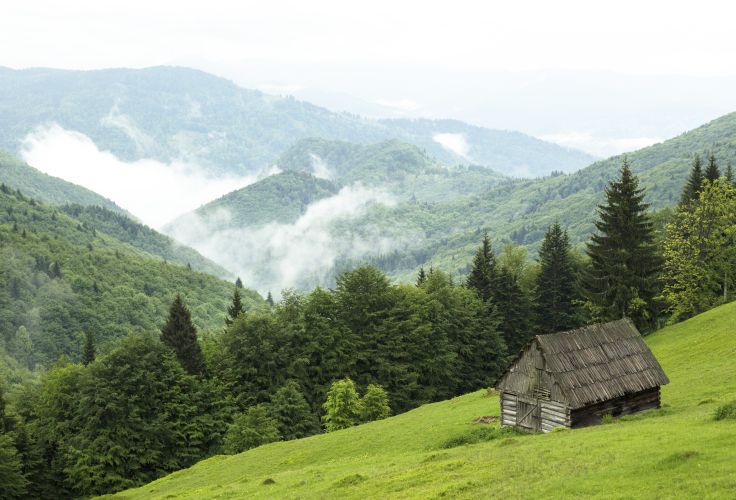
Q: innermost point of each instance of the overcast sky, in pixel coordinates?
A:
(695, 38)
(605, 78)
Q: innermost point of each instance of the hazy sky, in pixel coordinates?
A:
(605, 78)
(694, 38)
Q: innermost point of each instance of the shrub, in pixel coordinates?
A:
(726, 412)
(343, 406)
(250, 429)
(374, 404)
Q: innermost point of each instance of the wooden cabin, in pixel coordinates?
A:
(574, 378)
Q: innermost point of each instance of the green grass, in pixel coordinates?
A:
(679, 451)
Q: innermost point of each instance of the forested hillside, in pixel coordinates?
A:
(61, 277)
(170, 113)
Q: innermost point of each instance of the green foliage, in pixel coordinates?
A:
(251, 429)
(236, 308)
(482, 277)
(90, 352)
(374, 404)
(180, 335)
(622, 278)
(290, 410)
(694, 182)
(109, 290)
(725, 412)
(342, 406)
(13, 482)
(556, 284)
(699, 251)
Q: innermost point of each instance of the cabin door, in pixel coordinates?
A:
(528, 415)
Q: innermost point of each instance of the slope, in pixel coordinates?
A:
(169, 113)
(677, 451)
(60, 277)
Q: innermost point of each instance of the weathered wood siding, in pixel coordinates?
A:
(625, 405)
(554, 414)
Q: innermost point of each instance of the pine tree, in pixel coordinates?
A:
(729, 173)
(514, 311)
(712, 173)
(89, 352)
(422, 277)
(555, 287)
(342, 407)
(622, 280)
(238, 283)
(235, 309)
(693, 184)
(292, 413)
(269, 299)
(483, 273)
(374, 404)
(180, 334)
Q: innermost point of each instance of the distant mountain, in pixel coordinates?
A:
(52, 190)
(444, 232)
(59, 278)
(169, 113)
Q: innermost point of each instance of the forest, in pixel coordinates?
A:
(134, 390)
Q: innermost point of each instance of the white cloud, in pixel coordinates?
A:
(153, 191)
(302, 254)
(453, 142)
(600, 146)
(404, 105)
(320, 169)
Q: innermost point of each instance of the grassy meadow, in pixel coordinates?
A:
(679, 451)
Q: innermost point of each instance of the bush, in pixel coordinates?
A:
(374, 404)
(250, 429)
(343, 406)
(726, 412)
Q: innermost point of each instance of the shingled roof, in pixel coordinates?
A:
(600, 362)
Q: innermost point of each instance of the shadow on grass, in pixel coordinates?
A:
(482, 435)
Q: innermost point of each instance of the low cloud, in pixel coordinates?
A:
(320, 169)
(453, 142)
(600, 146)
(302, 254)
(153, 191)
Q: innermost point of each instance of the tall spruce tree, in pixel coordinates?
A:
(238, 283)
(729, 173)
(180, 334)
(236, 307)
(89, 352)
(290, 410)
(712, 173)
(514, 311)
(482, 275)
(693, 184)
(421, 277)
(555, 286)
(269, 299)
(622, 279)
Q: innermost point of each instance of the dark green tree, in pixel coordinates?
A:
(711, 172)
(13, 483)
(556, 284)
(238, 283)
(292, 413)
(514, 310)
(421, 277)
(694, 183)
(624, 263)
(180, 335)
(729, 173)
(482, 277)
(269, 299)
(89, 352)
(251, 429)
(236, 307)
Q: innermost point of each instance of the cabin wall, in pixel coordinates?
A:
(528, 377)
(533, 414)
(625, 405)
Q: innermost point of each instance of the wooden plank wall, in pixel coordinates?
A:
(554, 414)
(625, 405)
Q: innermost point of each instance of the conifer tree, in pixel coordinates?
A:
(238, 283)
(422, 277)
(89, 352)
(269, 299)
(482, 276)
(235, 309)
(729, 173)
(555, 287)
(180, 334)
(292, 413)
(514, 311)
(712, 173)
(250, 429)
(694, 183)
(622, 279)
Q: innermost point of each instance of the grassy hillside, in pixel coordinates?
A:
(46, 188)
(168, 113)
(61, 277)
(678, 451)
